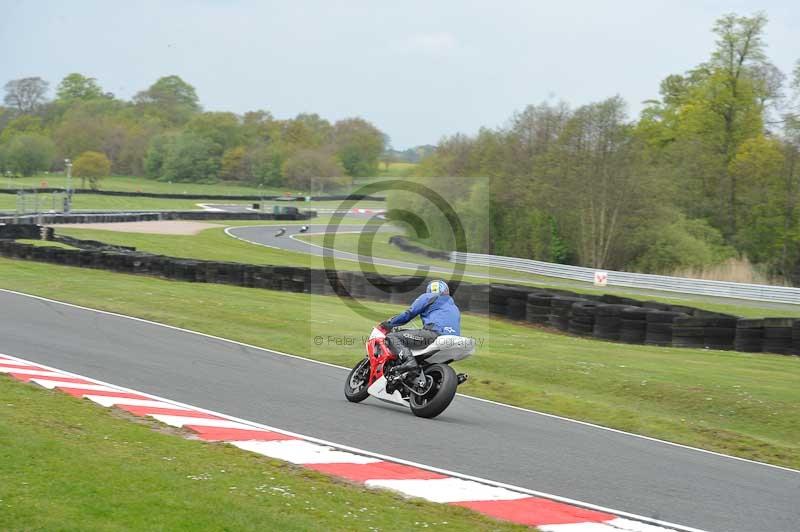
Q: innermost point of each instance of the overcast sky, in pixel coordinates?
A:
(418, 70)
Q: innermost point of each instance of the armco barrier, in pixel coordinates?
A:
(604, 317)
(755, 292)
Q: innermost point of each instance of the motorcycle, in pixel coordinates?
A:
(427, 390)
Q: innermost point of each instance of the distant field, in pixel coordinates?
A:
(397, 170)
(8, 202)
(143, 184)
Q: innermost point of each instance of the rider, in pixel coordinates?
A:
(439, 314)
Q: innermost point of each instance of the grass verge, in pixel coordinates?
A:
(66, 463)
(143, 184)
(743, 404)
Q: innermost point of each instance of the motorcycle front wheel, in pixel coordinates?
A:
(440, 393)
(355, 387)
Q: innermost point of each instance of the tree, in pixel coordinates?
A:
(266, 162)
(234, 164)
(93, 165)
(20, 125)
(705, 116)
(29, 153)
(359, 145)
(309, 168)
(223, 129)
(170, 99)
(156, 156)
(26, 94)
(78, 87)
(190, 158)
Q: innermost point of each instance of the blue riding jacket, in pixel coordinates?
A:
(438, 312)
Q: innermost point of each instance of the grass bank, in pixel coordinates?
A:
(64, 460)
(743, 404)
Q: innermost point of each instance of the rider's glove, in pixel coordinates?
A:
(385, 325)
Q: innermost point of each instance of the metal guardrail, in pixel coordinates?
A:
(755, 292)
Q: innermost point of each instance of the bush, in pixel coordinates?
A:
(156, 155)
(313, 168)
(692, 244)
(191, 158)
(94, 165)
(28, 154)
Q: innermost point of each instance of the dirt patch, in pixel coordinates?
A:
(155, 227)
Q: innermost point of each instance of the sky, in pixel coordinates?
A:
(418, 70)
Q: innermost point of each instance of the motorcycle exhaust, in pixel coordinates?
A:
(462, 378)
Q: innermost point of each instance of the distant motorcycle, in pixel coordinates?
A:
(281, 232)
(303, 229)
(427, 391)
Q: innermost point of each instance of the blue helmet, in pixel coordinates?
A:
(438, 287)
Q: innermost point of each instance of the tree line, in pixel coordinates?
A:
(164, 133)
(710, 170)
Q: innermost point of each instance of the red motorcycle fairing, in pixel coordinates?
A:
(379, 354)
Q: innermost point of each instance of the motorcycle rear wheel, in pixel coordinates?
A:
(357, 382)
(439, 396)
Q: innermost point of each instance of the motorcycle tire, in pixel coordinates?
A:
(357, 394)
(441, 394)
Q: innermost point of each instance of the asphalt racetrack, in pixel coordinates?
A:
(523, 448)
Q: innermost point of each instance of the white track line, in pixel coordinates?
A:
(446, 490)
(303, 452)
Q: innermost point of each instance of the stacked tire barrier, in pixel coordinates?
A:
(750, 335)
(660, 327)
(605, 317)
(582, 318)
(14, 231)
(403, 243)
(608, 321)
(778, 335)
(710, 332)
(537, 308)
(633, 324)
(561, 311)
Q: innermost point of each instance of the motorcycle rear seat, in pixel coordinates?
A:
(448, 341)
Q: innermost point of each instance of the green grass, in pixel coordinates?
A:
(67, 464)
(44, 243)
(747, 405)
(85, 202)
(397, 170)
(143, 184)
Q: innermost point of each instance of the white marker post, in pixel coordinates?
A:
(600, 278)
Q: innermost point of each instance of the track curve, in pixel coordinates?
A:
(475, 437)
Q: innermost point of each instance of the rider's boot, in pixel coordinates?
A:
(407, 361)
